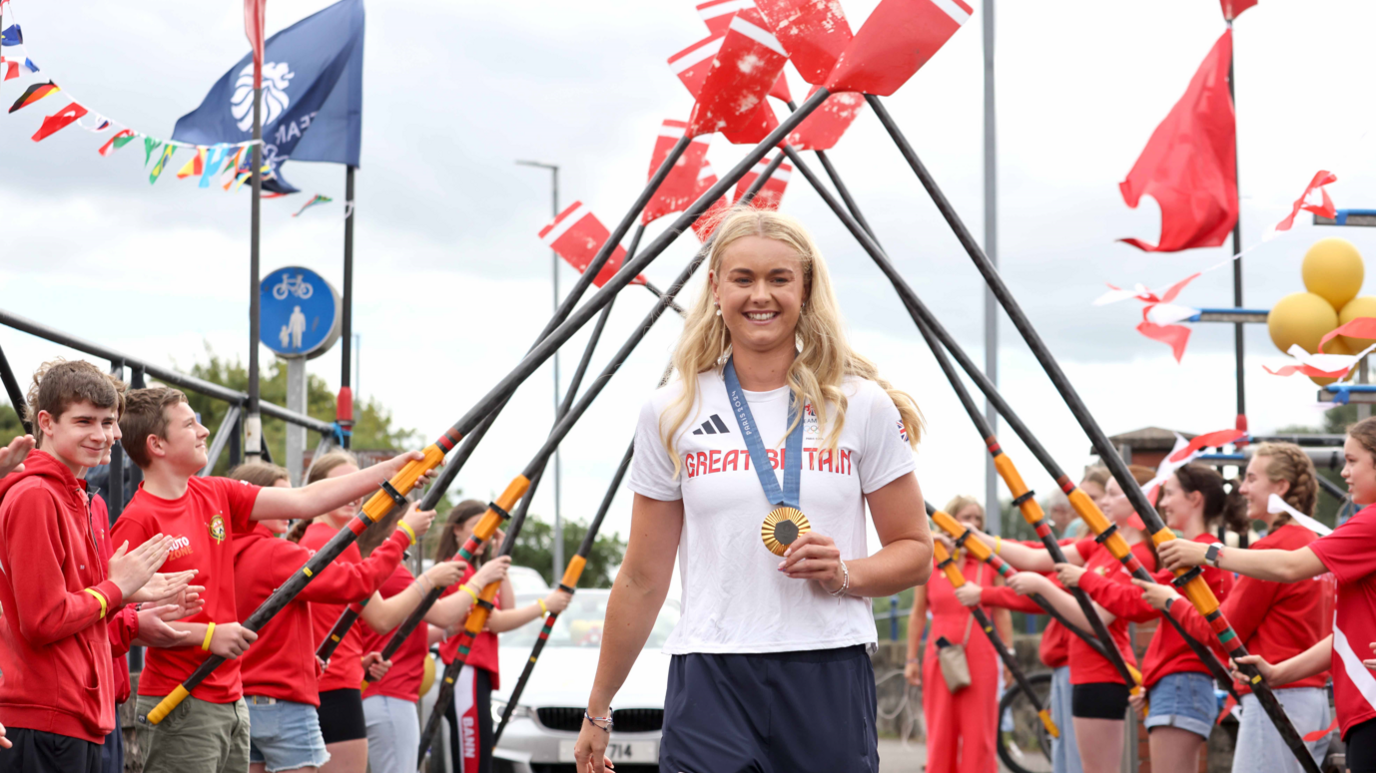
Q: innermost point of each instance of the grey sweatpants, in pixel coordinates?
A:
(1259, 746)
(393, 734)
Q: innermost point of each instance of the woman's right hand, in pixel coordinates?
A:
(1267, 671)
(590, 751)
(912, 671)
(1138, 701)
(445, 573)
(1027, 583)
(968, 594)
(418, 519)
(492, 571)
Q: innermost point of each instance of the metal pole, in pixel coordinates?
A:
(1237, 262)
(991, 231)
(344, 404)
(296, 434)
(253, 424)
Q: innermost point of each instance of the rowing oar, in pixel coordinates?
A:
(932, 331)
(477, 618)
(946, 564)
(568, 584)
(965, 538)
(1190, 582)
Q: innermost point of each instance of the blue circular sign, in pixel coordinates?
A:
(299, 312)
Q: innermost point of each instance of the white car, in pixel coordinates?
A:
(541, 734)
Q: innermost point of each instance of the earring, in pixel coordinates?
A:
(718, 310)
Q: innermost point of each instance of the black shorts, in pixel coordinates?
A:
(341, 715)
(1361, 747)
(1099, 700)
(771, 712)
(36, 751)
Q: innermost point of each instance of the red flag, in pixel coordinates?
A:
(746, 66)
(1323, 207)
(1189, 165)
(772, 192)
(576, 234)
(1231, 10)
(705, 225)
(814, 32)
(253, 28)
(896, 40)
(680, 188)
(1174, 336)
(11, 68)
(822, 129)
(58, 121)
(1213, 439)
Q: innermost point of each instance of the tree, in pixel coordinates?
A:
(535, 548)
(10, 426)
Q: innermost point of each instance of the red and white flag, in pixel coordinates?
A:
(1315, 199)
(896, 40)
(705, 225)
(746, 66)
(576, 235)
(814, 32)
(680, 187)
(823, 129)
(11, 68)
(772, 192)
(58, 121)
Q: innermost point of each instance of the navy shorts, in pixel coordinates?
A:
(771, 713)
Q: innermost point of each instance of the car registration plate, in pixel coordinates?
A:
(641, 752)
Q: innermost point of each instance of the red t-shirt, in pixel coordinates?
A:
(1348, 554)
(204, 521)
(408, 664)
(346, 664)
(1168, 652)
(1086, 665)
(483, 654)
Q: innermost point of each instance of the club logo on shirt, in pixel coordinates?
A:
(1102, 571)
(811, 428)
(713, 426)
(217, 528)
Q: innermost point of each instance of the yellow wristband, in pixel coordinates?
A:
(410, 532)
(209, 632)
(543, 609)
(998, 545)
(104, 604)
(470, 592)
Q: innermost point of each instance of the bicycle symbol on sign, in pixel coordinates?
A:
(289, 286)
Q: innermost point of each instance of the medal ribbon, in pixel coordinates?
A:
(793, 446)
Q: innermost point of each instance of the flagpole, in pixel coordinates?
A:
(1237, 248)
(991, 232)
(344, 404)
(253, 425)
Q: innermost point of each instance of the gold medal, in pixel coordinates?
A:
(781, 527)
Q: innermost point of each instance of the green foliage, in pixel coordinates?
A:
(535, 549)
(373, 427)
(10, 426)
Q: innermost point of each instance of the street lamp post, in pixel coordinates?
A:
(554, 276)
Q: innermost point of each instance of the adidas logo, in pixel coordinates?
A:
(713, 426)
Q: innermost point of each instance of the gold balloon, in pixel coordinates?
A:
(1300, 318)
(1336, 345)
(1365, 306)
(427, 679)
(1332, 269)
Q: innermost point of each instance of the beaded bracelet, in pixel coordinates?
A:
(594, 720)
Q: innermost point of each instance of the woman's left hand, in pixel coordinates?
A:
(1181, 553)
(814, 556)
(375, 667)
(968, 594)
(1027, 583)
(1069, 574)
(1156, 594)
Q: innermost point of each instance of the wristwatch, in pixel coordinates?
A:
(1214, 552)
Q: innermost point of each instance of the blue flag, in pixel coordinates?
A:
(12, 36)
(312, 95)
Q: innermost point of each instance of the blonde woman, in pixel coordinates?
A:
(770, 658)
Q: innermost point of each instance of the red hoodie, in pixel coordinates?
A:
(281, 664)
(54, 643)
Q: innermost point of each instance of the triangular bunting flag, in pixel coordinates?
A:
(149, 145)
(10, 67)
(195, 166)
(58, 121)
(166, 156)
(34, 93)
(12, 36)
(124, 137)
(317, 199)
(213, 157)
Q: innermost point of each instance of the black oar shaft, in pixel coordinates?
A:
(1197, 590)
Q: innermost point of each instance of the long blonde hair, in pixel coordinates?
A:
(824, 357)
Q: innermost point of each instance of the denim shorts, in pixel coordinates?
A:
(284, 735)
(1185, 700)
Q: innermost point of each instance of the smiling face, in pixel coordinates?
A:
(1359, 471)
(1257, 488)
(80, 437)
(1179, 506)
(760, 288)
(183, 449)
(1116, 504)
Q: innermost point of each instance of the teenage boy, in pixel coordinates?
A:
(57, 695)
(208, 732)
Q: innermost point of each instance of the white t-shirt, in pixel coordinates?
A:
(734, 597)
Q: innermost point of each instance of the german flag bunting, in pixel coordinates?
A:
(34, 93)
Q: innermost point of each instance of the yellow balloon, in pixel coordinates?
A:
(1337, 345)
(1300, 318)
(1333, 270)
(1364, 306)
(427, 679)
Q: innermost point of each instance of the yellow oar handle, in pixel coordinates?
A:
(380, 503)
(1045, 716)
(165, 706)
(363, 686)
(574, 571)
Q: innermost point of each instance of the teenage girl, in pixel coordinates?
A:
(1287, 579)
(961, 726)
(770, 660)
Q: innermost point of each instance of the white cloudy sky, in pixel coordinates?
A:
(453, 284)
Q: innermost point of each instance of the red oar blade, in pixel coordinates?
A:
(680, 188)
(716, 14)
(814, 32)
(705, 225)
(746, 66)
(823, 129)
(692, 63)
(897, 39)
(576, 235)
(756, 129)
(772, 192)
